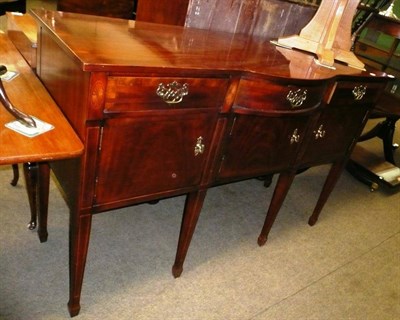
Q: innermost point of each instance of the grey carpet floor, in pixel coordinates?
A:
(345, 267)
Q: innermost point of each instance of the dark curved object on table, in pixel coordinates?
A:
(19, 115)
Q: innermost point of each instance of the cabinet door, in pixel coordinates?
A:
(333, 134)
(259, 145)
(340, 122)
(142, 156)
(269, 121)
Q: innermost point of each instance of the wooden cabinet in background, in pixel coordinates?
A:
(109, 8)
(163, 11)
(379, 44)
(272, 18)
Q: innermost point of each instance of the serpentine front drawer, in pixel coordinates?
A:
(340, 121)
(354, 92)
(274, 96)
(130, 94)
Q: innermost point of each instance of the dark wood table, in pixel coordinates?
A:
(28, 94)
(166, 111)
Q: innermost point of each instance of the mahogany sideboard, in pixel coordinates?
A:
(167, 110)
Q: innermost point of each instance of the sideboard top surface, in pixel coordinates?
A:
(118, 45)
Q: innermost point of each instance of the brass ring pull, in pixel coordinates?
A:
(359, 92)
(295, 137)
(199, 147)
(296, 98)
(320, 133)
(172, 92)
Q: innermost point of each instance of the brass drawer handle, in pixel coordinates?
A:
(172, 92)
(320, 133)
(296, 98)
(199, 147)
(295, 137)
(359, 92)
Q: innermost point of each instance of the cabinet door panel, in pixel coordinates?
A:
(260, 145)
(333, 133)
(340, 122)
(141, 156)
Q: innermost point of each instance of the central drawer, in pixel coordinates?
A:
(130, 94)
(274, 96)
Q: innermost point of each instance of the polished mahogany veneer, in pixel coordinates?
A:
(166, 110)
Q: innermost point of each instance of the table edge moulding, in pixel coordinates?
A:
(168, 110)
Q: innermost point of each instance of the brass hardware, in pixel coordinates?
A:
(199, 147)
(296, 98)
(320, 133)
(374, 186)
(172, 92)
(359, 92)
(295, 137)
(393, 89)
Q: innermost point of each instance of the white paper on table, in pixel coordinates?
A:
(9, 75)
(41, 127)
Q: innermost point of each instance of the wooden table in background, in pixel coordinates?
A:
(28, 94)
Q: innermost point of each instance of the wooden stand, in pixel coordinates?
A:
(328, 34)
(373, 170)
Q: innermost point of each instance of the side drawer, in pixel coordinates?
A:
(345, 92)
(130, 94)
(274, 96)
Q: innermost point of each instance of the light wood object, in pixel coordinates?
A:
(328, 34)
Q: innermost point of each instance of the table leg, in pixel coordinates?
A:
(282, 187)
(30, 174)
(193, 205)
(15, 179)
(79, 234)
(384, 130)
(43, 186)
(387, 136)
(330, 182)
(37, 179)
